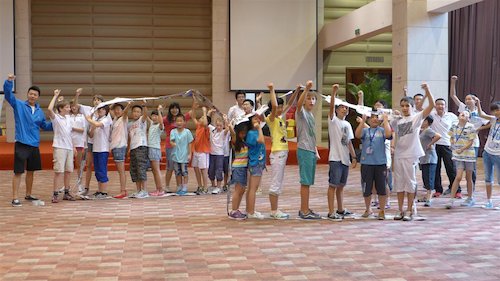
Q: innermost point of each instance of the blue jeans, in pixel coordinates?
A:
(428, 175)
(491, 161)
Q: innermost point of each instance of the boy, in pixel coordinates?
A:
(491, 154)
(118, 145)
(428, 162)
(373, 160)
(26, 150)
(100, 131)
(307, 152)
(279, 148)
(340, 134)
(63, 146)
(180, 139)
(407, 151)
(154, 148)
(201, 151)
(462, 137)
(137, 131)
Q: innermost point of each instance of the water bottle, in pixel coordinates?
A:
(38, 203)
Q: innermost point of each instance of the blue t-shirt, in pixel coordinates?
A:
(182, 141)
(256, 150)
(373, 150)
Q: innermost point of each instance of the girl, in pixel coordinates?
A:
(218, 135)
(239, 170)
(174, 110)
(256, 163)
(462, 137)
(78, 136)
(118, 145)
(154, 148)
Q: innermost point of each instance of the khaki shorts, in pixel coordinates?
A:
(63, 160)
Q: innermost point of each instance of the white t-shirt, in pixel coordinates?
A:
(154, 136)
(62, 126)
(137, 131)
(227, 148)
(234, 112)
(474, 119)
(217, 140)
(102, 135)
(492, 145)
(442, 125)
(340, 133)
(87, 110)
(78, 121)
(407, 131)
(119, 133)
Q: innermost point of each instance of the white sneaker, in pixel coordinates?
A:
(279, 215)
(142, 194)
(256, 215)
(216, 190)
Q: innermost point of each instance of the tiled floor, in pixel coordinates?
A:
(190, 238)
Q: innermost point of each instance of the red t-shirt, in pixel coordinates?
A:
(170, 126)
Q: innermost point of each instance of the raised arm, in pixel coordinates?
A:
(93, 122)
(204, 119)
(482, 114)
(258, 101)
(361, 98)
(77, 95)
(453, 90)
(292, 99)
(126, 110)
(302, 98)
(160, 117)
(261, 138)
(405, 91)
(335, 88)
(361, 125)
(8, 85)
(52, 103)
(387, 126)
(274, 102)
(428, 95)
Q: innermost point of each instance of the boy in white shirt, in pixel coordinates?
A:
(408, 151)
(118, 145)
(341, 135)
(100, 131)
(78, 133)
(63, 146)
(137, 130)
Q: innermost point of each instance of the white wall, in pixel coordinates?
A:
(6, 44)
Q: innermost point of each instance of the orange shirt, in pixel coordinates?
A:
(202, 139)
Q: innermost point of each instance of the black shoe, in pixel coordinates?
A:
(344, 213)
(16, 203)
(30, 198)
(446, 192)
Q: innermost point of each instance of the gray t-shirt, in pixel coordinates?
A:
(430, 156)
(306, 137)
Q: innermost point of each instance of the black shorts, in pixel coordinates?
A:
(26, 157)
(373, 174)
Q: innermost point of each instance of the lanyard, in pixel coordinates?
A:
(371, 136)
(497, 126)
(457, 136)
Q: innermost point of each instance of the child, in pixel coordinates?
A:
(180, 140)
(118, 145)
(340, 134)
(78, 136)
(307, 152)
(100, 131)
(201, 151)
(218, 135)
(174, 110)
(428, 162)
(491, 154)
(279, 148)
(407, 151)
(256, 163)
(63, 146)
(137, 131)
(462, 137)
(239, 171)
(87, 110)
(373, 160)
(154, 148)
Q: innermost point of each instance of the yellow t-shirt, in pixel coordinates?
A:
(278, 134)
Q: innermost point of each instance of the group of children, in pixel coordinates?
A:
(401, 140)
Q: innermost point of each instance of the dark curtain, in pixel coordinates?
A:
(474, 51)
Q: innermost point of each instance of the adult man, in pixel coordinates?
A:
(441, 125)
(237, 110)
(29, 118)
